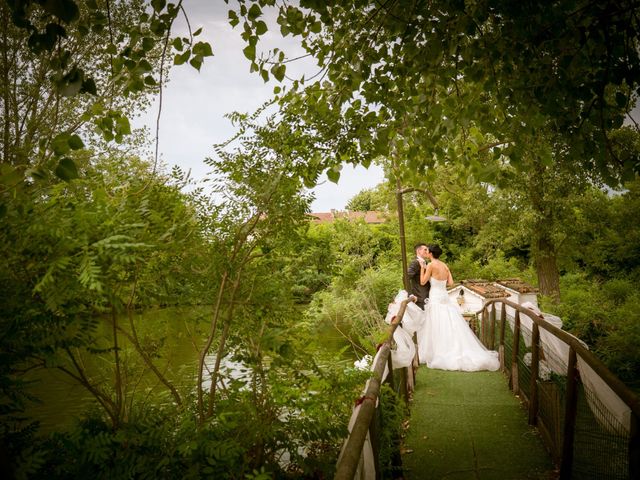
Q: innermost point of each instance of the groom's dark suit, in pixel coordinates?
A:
(420, 291)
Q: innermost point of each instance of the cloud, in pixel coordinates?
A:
(195, 103)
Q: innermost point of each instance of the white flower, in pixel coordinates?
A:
(364, 363)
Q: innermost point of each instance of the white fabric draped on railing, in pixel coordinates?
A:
(412, 321)
(556, 355)
(401, 357)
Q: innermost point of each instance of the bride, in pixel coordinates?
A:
(446, 342)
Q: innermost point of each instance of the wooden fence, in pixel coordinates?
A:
(584, 434)
(589, 432)
(368, 417)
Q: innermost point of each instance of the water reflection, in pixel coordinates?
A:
(171, 335)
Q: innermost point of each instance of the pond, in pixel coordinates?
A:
(176, 333)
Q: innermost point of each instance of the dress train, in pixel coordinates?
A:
(446, 342)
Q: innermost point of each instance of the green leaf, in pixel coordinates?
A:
(130, 64)
(196, 62)
(123, 126)
(158, 5)
(65, 10)
(144, 65)
(250, 52)
(333, 175)
(9, 175)
(60, 144)
(261, 27)
(177, 44)
(71, 83)
(89, 86)
(254, 12)
(202, 49)
(158, 27)
(278, 71)
(148, 43)
(197, 32)
(181, 58)
(136, 84)
(316, 27)
(75, 142)
(39, 42)
(233, 18)
(66, 169)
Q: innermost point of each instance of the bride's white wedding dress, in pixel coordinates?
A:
(446, 342)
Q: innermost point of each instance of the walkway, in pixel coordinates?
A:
(470, 426)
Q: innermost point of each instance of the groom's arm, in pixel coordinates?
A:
(413, 268)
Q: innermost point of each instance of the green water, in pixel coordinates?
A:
(174, 334)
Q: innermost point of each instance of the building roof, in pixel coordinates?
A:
(371, 217)
(517, 285)
(485, 289)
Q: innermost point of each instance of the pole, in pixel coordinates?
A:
(403, 246)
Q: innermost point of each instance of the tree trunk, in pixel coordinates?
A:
(5, 87)
(221, 348)
(118, 372)
(547, 269)
(133, 338)
(103, 399)
(207, 346)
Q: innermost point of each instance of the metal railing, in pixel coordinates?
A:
(368, 417)
(587, 417)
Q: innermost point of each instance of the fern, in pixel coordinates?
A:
(49, 278)
(90, 274)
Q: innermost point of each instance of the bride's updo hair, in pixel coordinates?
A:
(435, 250)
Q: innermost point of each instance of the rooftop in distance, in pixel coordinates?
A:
(371, 217)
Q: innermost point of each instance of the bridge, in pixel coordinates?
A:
(552, 411)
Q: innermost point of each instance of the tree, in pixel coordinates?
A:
(261, 184)
(51, 104)
(91, 247)
(446, 82)
(370, 199)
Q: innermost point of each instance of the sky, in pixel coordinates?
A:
(194, 103)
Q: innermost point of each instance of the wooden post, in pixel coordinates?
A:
(503, 321)
(515, 350)
(535, 367)
(492, 322)
(375, 427)
(570, 412)
(634, 448)
(389, 379)
(415, 364)
(482, 327)
(407, 387)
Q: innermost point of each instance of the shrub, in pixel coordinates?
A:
(605, 315)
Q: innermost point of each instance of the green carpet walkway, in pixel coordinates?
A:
(468, 425)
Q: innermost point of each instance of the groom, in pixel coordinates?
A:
(413, 270)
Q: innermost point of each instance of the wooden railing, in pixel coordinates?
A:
(557, 406)
(622, 446)
(366, 420)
